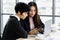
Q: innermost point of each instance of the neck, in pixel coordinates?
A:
(20, 16)
(30, 17)
(17, 15)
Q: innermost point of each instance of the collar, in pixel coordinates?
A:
(17, 17)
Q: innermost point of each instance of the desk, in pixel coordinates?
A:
(54, 35)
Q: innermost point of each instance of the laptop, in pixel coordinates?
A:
(47, 29)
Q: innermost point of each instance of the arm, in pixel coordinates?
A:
(42, 24)
(33, 32)
(41, 27)
(20, 30)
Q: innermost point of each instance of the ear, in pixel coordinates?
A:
(19, 13)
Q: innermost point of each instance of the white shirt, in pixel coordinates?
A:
(17, 17)
(31, 23)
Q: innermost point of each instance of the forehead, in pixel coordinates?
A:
(32, 7)
(25, 13)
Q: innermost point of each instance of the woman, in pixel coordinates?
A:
(33, 21)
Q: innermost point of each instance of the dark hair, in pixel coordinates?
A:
(21, 7)
(36, 17)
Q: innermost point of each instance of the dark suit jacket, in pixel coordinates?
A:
(26, 25)
(13, 30)
(0, 37)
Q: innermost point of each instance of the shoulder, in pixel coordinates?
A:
(26, 19)
(39, 16)
(12, 20)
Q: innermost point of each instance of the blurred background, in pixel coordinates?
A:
(47, 9)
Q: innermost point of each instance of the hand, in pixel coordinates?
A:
(33, 32)
(40, 30)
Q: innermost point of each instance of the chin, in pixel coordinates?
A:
(23, 18)
(32, 16)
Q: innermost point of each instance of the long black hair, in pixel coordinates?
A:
(36, 18)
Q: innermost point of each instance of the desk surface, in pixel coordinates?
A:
(54, 35)
(51, 36)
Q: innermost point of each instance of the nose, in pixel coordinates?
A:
(32, 12)
(26, 14)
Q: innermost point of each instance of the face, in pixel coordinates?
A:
(24, 15)
(32, 11)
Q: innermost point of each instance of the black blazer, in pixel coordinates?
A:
(26, 25)
(13, 30)
(0, 37)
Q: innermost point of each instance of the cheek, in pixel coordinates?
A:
(34, 13)
(25, 15)
(30, 13)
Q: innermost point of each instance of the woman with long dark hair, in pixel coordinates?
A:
(33, 21)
